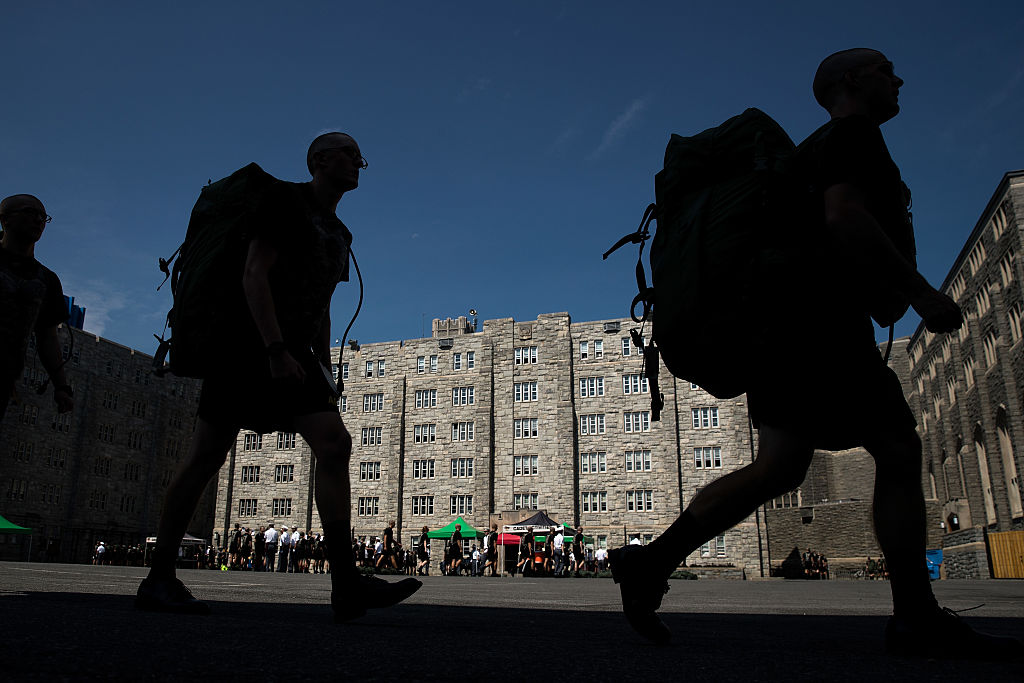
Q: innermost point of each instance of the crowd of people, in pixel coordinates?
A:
(815, 565)
(876, 569)
(268, 549)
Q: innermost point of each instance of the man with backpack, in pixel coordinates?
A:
(858, 262)
(293, 252)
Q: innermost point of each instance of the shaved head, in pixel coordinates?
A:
(18, 201)
(327, 141)
(828, 78)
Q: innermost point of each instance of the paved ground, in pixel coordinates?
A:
(73, 622)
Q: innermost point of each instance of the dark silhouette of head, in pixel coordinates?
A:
(858, 81)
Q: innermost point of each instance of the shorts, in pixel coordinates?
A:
(837, 390)
(254, 400)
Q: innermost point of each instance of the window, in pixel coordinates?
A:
(461, 505)
(947, 347)
(591, 386)
(61, 422)
(421, 364)
(462, 467)
(285, 440)
(525, 355)
(373, 403)
(422, 505)
(247, 507)
(344, 370)
(714, 548)
(463, 396)
(22, 452)
(592, 424)
(639, 500)
(97, 500)
(282, 507)
(951, 390)
(372, 436)
(981, 300)
(334, 371)
(470, 360)
(422, 469)
(138, 409)
(598, 348)
(284, 473)
(369, 506)
(584, 350)
(969, 372)
(344, 404)
(381, 365)
(989, 346)
(956, 289)
(131, 471)
(1015, 315)
(252, 442)
(634, 384)
(703, 418)
(637, 421)
(426, 398)
(369, 471)
(456, 361)
(106, 433)
(998, 223)
(433, 363)
(29, 414)
(594, 501)
(1006, 268)
(976, 257)
(250, 474)
(786, 500)
(19, 487)
(638, 461)
(424, 433)
(526, 428)
(707, 458)
(50, 495)
(525, 465)
(593, 463)
(369, 368)
(937, 406)
(462, 431)
(625, 346)
(57, 458)
(524, 391)
(528, 501)
(127, 503)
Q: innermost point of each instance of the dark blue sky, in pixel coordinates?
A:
(508, 146)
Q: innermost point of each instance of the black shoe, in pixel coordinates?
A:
(942, 634)
(642, 589)
(168, 595)
(365, 592)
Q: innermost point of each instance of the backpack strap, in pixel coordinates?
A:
(645, 293)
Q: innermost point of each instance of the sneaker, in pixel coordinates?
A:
(642, 589)
(942, 634)
(365, 592)
(168, 595)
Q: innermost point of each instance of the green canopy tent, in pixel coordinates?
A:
(568, 534)
(446, 531)
(9, 527)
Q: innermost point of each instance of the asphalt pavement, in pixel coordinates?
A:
(76, 622)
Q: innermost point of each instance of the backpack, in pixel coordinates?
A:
(206, 278)
(721, 198)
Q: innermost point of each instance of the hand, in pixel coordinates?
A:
(284, 367)
(939, 312)
(64, 400)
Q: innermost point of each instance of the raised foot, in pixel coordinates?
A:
(642, 589)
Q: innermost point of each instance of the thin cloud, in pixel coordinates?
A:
(619, 127)
(479, 85)
(100, 300)
(561, 143)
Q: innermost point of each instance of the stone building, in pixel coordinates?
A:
(540, 414)
(966, 388)
(97, 473)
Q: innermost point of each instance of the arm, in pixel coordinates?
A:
(869, 250)
(256, 283)
(49, 354)
(323, 339)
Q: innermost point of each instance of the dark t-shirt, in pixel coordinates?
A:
(389, 539)
(31, 299)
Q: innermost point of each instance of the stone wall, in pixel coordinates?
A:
(965, 555)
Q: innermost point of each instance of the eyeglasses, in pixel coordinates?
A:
(353, 154)
(35, 213)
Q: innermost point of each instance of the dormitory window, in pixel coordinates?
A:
(372, 436)
(344, 370)
(344, 404)
(639, 500)
(131, 471)
(989, 346)
(61, 422)
(29, 414)
(422, 469)
(426, 398)
(456, 361)
(1006, 268)
(591, 386)
(247, 507)
(284, 473)
(462, 467)
(525, 465)
(976, 257)
(252, 442)
(22, 452)
(999, 223)
(285, 440)
(592, 424)
(250, 474)
(584, 350)
(524, 391)
(461, 505)
(422, 505)
(634, 384)
(57, 458)
(525, 355)
(369, 368)
(625, 346)
(373, 403)
(470, 360)
(593, 463)
(334, 371)
(526, 428)
(529, 501)
(1015, 315)
(703, 418)
(433, 363)
(127, 503)
(424, 433)
(369, 506)
(638, 421)
(714, 548)
(369, 471)
(462, 431)
(638, 461)
(463, 396)
(707, 457)
(282, 507)
(599, 348)
(951, 390)
(982, 302)
(594, 501)
(380, 367)
(421, 364)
